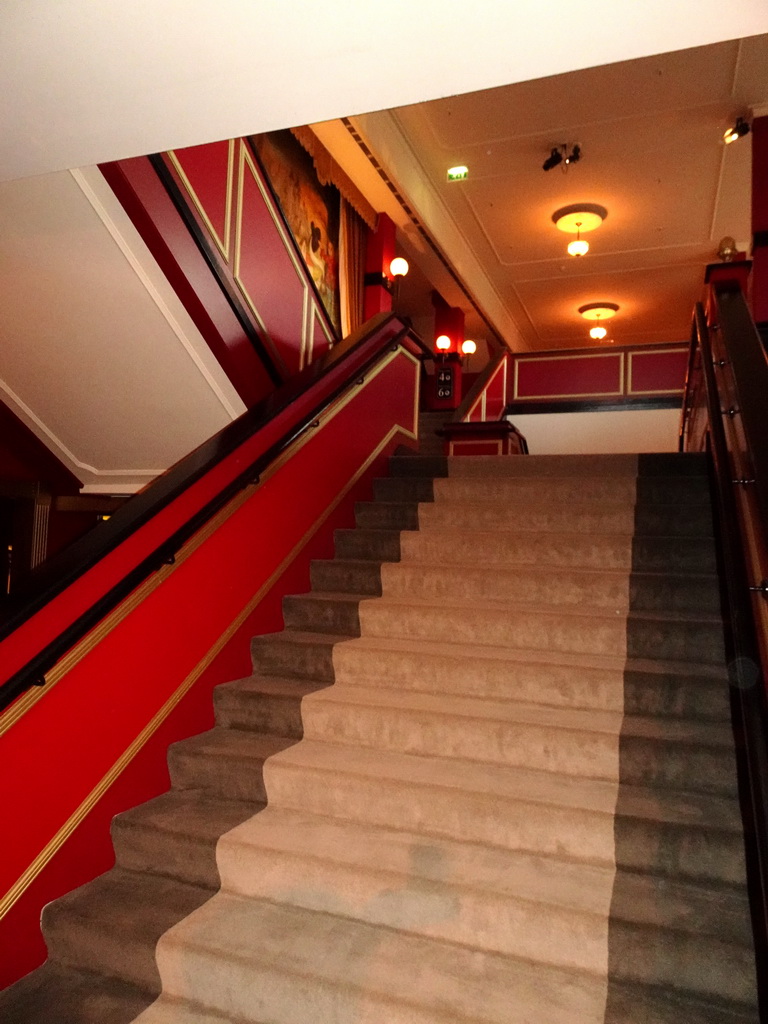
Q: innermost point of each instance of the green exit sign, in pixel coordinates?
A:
(458, 173)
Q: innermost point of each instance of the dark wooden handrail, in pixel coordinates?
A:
(747, 681)
(52, 578)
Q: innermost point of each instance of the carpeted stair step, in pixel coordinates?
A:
(557, 586)
(418, 465)
(545, 466)
(696, 835)
(346, 576)
(226, 763)
(387, 515)
(289, 965)
(673, 554)
(295, 654)
(672, 636)
(507, 548)
(111, 926)
(56, 994)
(542, 909)
(374, 545)
(175, 835)
(590, 492)
(559, 679)
(403, 489)
(683, 755)
(657, 520)
(323, 613)
(267, 704)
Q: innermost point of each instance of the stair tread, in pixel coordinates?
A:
(525, 568)
(511, 783)
(474, 652)
(189, 813)
(271, 685)
(56, 993)
(359, 961)
(513, 711)
(232, 743)
(552, 611)
(130, 904)
(441, 864)
(546, 536)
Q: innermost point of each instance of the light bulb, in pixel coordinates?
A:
(578, 247)
(468, 347)
(398, 267)
(443, 343)
(598, 333)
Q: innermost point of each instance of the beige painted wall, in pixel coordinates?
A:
(590, 433)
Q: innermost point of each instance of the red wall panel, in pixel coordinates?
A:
(569, 376)
(207, 172)
(79, 729)
(268, 273)
(657, 372)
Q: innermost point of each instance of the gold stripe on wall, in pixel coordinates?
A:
(222, 244)
(87, 805)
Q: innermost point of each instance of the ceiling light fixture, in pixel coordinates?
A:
(598, 311)
(579, 217)
(578, 247)
(738, 131)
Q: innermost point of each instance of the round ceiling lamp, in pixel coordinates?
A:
(599, 310)
(598, 333)
(581, 217)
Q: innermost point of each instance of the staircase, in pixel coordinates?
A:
(516, 805)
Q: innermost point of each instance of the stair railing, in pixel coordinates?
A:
(67, 596)
(473, 405)
(724, 410)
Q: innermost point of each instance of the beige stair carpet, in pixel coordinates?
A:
(517, 802)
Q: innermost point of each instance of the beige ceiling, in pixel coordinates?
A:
(651, 136)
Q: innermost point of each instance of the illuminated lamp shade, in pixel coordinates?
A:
(398, 267)
(578, 247)
(598, 333)
(443, 343)
(599, 310)
(581, 217)
(468, 347)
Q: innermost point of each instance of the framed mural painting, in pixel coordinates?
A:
(311, 211)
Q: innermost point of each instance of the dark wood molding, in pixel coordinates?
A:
(594, 404)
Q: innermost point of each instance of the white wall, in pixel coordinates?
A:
(590, 433)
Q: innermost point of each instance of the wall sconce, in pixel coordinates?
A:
(443, 343)
(399, 267)
(468, 347)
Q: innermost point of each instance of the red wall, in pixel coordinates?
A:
(69, 754)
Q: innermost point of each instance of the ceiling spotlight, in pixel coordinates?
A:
(738, 131)
(554, 158)
(443, 343)
(598, 333)
(398, 267)
(468, 347)
(560, 155)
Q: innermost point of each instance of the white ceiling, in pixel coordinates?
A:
(651, 136)
(85, 82)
